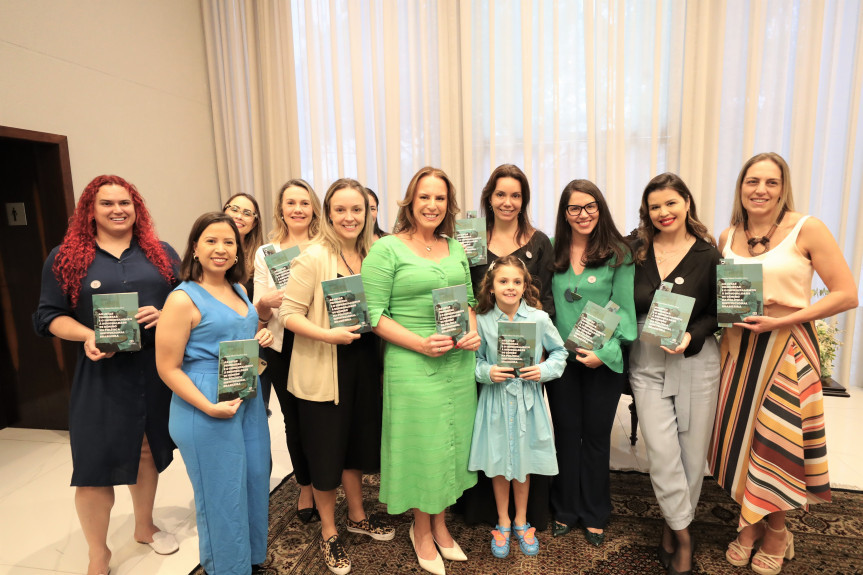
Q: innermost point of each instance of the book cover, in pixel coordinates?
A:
(114, 322)
(238, 369)
(667, 317)
(471, 234)
(516, 344)
(594, 327)
(346, 302)
(739, 292)
(268, 250)
(451, 311)
(279, 265)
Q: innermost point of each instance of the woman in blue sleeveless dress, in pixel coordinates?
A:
(225, 444)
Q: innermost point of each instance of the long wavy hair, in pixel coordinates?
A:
(328, 235)
(280, 228)
(255, 238)
(405, 219)
(646, 231)
(605, 241)
(78, 249)
(485, 299)
(786, 198)
(525, 229)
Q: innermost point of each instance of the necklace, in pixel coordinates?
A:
(764, 240)
(665, 253)
(429, 247)
(347, 265)
(571, 293)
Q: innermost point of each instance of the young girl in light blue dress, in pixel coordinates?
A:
(512, 433)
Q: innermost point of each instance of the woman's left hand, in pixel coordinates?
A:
(470, 341)
(760, 323)
(148, 315)
(264, 337)
(588, 358)
(680, 348)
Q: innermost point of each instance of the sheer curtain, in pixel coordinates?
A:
(615, 91)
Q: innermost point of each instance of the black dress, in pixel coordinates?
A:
(114, 401)
(477, 503)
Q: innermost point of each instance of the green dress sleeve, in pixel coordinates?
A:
(378, 274)
(622, 286)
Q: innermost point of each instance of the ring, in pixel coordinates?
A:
(438, 350)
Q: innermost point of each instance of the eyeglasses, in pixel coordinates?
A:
(238, 210)
(590, 208)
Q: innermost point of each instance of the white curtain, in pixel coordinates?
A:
(615, 91)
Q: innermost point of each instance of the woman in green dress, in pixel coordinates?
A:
(429, 389)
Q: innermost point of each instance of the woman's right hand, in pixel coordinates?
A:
(436, 345)
(499, 374)
(93, 352)
(342, 335)
(225, 409)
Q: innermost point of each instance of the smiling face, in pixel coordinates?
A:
(583, 223)
(429, 203)
(297, 210)
(347, 214)
(113, 211)
(508, 287)
(237, 208)
(667, 210)
(216, 248)
(761, 188)
(506, 199)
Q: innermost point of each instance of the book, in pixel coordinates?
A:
(594, 327)
(346, 302)
(451, 311)
(114, 322)
(268, 250)
(516, 344)
(279, 264)
(667, 317)
(471, 234)
(238, 369)
(739, 292)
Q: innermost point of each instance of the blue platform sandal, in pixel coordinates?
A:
(527, 540)
(500, 541)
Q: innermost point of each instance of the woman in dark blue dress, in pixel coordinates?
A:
(118, 412)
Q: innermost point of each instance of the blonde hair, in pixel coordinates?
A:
(786, 199)
(280, 227)
(327, 235)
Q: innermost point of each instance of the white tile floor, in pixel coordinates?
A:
(40, 535)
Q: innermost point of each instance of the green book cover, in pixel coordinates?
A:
(268, 250)
(594, 327)
(739, 292)
(471, 234)
(114, 322)
(346, 302)
(516, 344)
(451, 311)
(667, 318)
(238, 369)
(279, 265)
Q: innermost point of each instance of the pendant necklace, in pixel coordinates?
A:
(763, 241)
(427, 246)
(347, 265)
(665, 253)
(571, 294)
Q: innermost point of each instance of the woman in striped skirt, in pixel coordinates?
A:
(769, 448)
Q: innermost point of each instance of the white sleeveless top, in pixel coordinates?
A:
(787, 272)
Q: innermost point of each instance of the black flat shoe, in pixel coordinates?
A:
(559, 529)
(596, 539)
(308, 514)
(664, 556)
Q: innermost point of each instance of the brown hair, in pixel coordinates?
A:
(507, 171)
(405, 218)
(190, 268)
(786, 199)
(255, 238)
(485, 299)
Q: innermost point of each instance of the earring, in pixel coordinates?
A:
(236, 259)
(195, 257)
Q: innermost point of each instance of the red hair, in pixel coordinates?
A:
(78, 249)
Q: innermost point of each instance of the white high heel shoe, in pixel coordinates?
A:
(435, 565)
(453, 553)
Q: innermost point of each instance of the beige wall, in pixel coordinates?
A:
(126, 81)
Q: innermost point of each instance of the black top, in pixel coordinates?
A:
(538, 256)
(694, 276)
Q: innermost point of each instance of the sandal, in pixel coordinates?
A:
(773, 563)
(527, 541)
(500, 541)
(738, 554)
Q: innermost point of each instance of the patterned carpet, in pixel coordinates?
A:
(828, 539)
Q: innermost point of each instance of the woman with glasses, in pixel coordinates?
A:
(243, 209)
(296, 220)
(592, 262)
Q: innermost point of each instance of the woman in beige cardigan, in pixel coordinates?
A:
(335, 372)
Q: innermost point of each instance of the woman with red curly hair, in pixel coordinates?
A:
(118, 412)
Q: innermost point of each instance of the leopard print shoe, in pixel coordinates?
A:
(335, 556)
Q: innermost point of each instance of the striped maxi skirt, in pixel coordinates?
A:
(769, 448)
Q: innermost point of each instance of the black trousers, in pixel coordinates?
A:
(276, 376)
(583, 405)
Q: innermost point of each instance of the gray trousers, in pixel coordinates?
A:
(676, 401)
